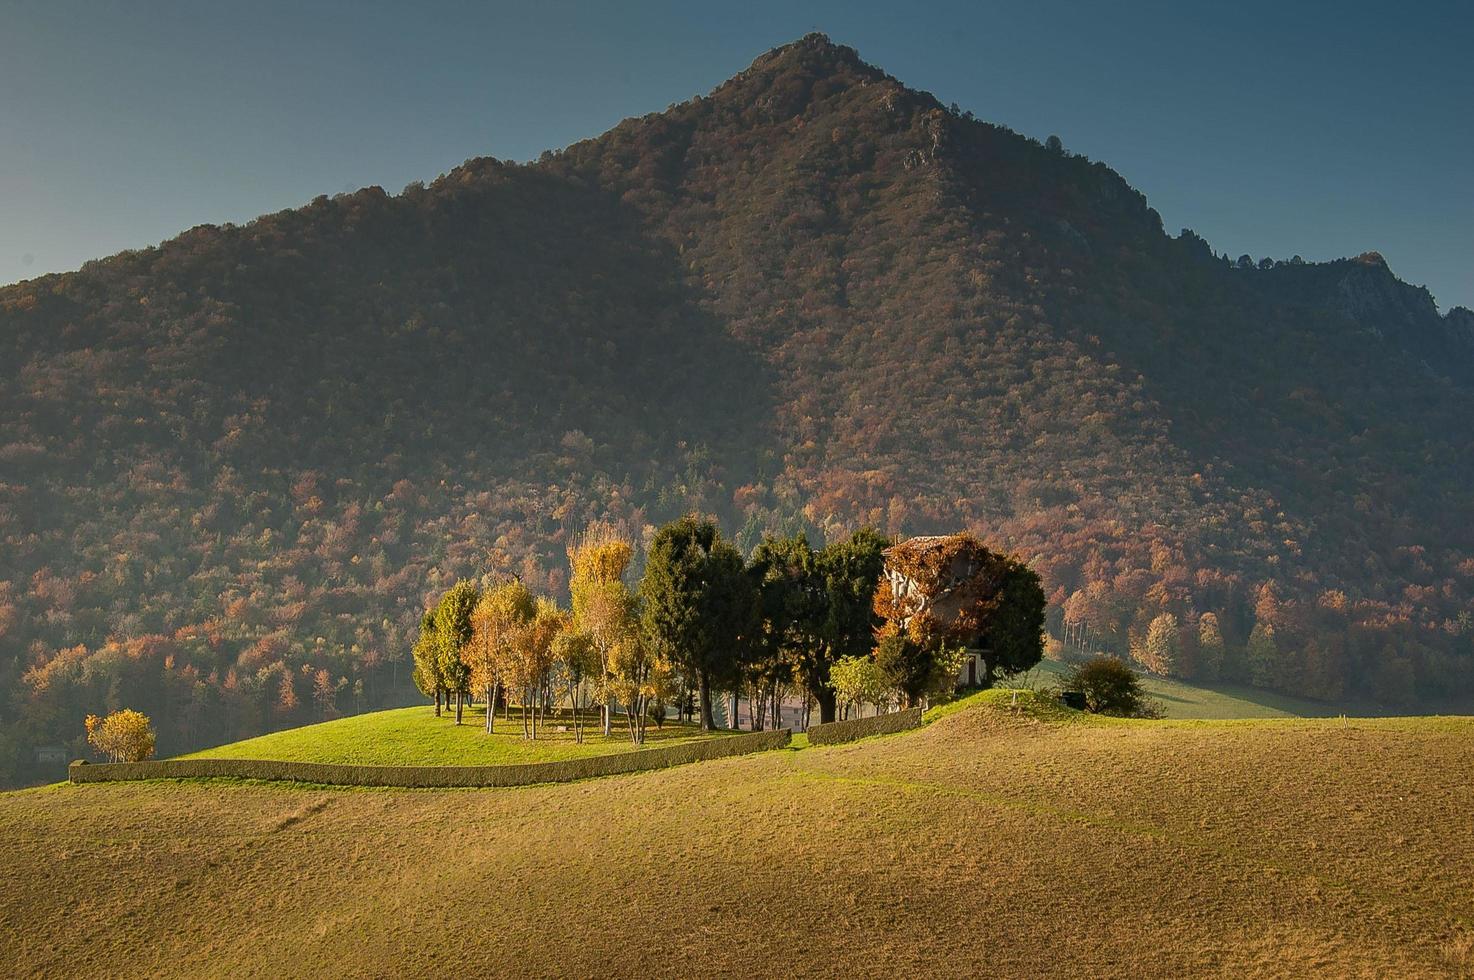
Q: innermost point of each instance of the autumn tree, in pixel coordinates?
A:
(1162, 648)
(123, 736)
(860, 680)
(286, 693)
(498, 619)
(452, 632)
(638, 677)
(426, 652)
(325, 693)
(1210, 646)
(575, 660)
(532, 664)
(603, 606)
(941, 593)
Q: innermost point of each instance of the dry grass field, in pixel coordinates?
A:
(989, 842)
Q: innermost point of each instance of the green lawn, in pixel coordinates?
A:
(415, 737)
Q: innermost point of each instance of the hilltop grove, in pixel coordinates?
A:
(703, 625)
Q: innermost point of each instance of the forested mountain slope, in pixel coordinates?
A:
(232, 467)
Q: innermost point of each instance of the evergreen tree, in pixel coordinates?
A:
(698, 607)
(1012, 635)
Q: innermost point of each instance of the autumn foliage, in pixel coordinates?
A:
(123, 736)
(810, 301)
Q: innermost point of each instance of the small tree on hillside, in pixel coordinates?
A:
(500, 615)
(575, 660)
(603, 607)
(860, 680)
(123, 736)
(452, 632)
(427, 660)
(1110, 687)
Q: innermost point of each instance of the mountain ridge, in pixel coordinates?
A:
(810, 299)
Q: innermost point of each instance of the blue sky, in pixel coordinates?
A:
(1319, 129)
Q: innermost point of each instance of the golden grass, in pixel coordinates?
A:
(989, 842)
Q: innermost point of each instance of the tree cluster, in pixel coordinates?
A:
(703, 622)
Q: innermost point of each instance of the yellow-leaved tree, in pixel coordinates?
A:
(534, 666)
(499, 618)
(603, 606)
(123, 736)
(575, 663)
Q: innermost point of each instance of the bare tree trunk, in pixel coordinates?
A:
(458, 707)
(437, 701)
(708, 720)
(490, 706)
(826, 701)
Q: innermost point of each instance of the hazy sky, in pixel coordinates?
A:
(1323, 129)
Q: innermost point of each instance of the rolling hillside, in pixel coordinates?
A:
(232, 467)
(990, 841)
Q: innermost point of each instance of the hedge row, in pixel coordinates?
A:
(847, 731)
(523, 774)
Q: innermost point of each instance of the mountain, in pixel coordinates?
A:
(233, 467)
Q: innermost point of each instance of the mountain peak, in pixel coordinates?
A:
(815, 55)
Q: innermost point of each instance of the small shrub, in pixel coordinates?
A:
(1110, 688)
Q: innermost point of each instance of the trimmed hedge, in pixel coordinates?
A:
(524, 774)
(833, 732)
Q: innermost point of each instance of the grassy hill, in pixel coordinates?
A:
(1181, 699)
(990, 841)
(415, 737)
